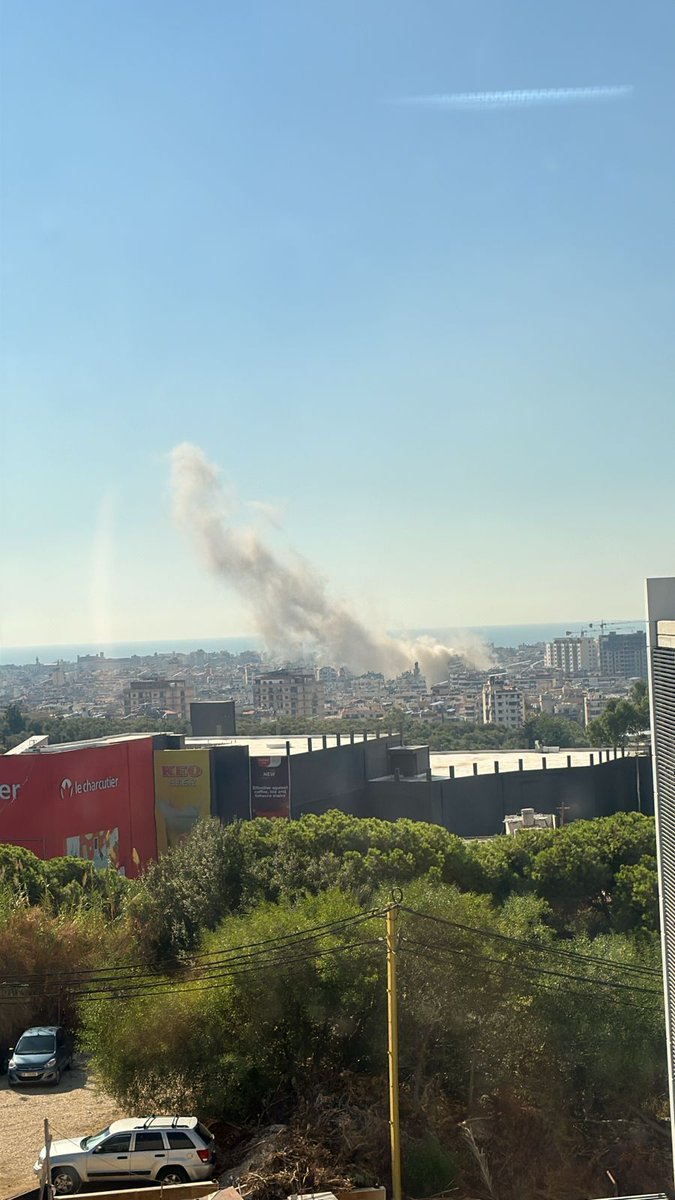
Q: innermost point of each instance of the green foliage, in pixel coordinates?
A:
(13, 720)
(223, 869)
(552, 731)
(577, 872)
(38, 952)
(487, 1004)
(621, 718)
(60, 884)
(636, 895)
(478, 1013)
(428, 1168)
(258, 1035)
(15, 726)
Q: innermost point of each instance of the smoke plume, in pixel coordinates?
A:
(287, 598)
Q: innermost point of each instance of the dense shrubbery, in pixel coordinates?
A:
(488, 1005)
(596, 876)
(479, 1012)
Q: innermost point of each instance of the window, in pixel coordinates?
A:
(119, 1142)
(204, 1133)
(179, 1141)
(149, 1141)
(36, 1043)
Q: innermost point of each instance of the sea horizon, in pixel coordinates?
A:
(505, 636)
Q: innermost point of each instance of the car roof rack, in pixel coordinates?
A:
(149, 1121)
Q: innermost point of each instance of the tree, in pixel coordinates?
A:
(622, 717)
(14, 722)
(553, 731)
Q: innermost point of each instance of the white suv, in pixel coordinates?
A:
(165, 1149)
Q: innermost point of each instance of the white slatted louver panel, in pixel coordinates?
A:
(661, 607)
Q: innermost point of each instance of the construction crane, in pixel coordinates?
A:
(603, 625)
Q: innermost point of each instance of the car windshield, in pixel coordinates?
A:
(90, 1143)
(36, 1043)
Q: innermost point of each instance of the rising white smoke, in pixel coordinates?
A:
(287, 598)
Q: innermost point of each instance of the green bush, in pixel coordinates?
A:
(428, 1168)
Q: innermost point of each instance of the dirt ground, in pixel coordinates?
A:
(76, 1106)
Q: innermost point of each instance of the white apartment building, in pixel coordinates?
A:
(572, 655)
(503, 704)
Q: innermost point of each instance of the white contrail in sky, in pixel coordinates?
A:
(522, 98)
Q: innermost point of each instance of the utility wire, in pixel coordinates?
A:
(223, 975)
(234, 954)
(540, 947)
(510, 969)
(536, 970)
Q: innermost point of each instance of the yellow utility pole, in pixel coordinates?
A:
(392, 1049)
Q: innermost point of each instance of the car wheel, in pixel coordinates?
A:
(66, 1181)
(173, 1175)
(57, 1077)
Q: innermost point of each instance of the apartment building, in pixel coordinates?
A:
(572, 655)
(595, 704)
(167, 695)
(623, 655)
(503, 704)
(289, 693)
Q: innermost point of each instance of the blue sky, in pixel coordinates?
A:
(441, 340)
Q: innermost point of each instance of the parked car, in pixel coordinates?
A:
(41, 1055)
(162, 1149)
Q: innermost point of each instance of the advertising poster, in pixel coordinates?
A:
(182, 793)
(102, 848)
(271, 787)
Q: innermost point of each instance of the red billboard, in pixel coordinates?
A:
(271, 787)
(97, 802)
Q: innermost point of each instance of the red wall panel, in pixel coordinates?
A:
(86, 794)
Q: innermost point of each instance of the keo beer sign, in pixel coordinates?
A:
(271, 787)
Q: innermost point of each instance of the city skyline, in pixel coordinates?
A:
(425, 332)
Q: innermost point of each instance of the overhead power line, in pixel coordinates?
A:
(539, 947)
(513, 965)
(231, 956)
(510, 969)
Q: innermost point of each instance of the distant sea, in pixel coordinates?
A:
(500, 635)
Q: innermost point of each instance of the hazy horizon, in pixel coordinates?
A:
(236, 643)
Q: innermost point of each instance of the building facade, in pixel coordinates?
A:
(503, 704)
(288, 694)
(661, 630)
(572, 655)
(623, 655)
(166, 695)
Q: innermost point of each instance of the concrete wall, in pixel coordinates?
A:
(337, 777)
(354, 778)
(475, 806)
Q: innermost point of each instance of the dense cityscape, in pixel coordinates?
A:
(574, 676)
